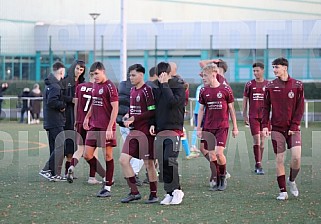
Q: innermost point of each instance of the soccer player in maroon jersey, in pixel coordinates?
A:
(218, 101)
(221, 70)
(254, 96)
(286, 97)
(101, 123)
(139, 143)
(82, 105)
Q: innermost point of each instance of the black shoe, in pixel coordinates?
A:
(151, 199)
(131, 197)
(103, 193)
(259, 171)
(223, 183)
(138, 182)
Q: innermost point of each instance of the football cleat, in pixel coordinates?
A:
(103, 193)
(214, 185)
(259, 171)
(151, 199)
(131, 197)
(222, 183)
(70, 174)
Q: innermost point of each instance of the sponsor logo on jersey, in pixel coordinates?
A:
(85, 89)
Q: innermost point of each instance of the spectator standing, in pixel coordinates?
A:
(3, 88)
(35, 105)
(25, 107)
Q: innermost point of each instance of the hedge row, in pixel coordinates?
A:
(311, 90)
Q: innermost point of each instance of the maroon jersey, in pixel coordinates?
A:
(83, 94)
(142, 107)
(287, 102)
(221, 79)
(255, 92)
(216, 102)
(103, 95)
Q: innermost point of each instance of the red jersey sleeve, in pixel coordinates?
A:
(247, 90)
(266, 107)
(230, 96)
(113, 93)
(200, 98)
(299, 107)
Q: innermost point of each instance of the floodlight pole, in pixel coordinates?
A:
(94, 16)
(123, 40)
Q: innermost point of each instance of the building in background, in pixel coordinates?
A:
(34, 35)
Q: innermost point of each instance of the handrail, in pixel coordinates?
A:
(306, 109)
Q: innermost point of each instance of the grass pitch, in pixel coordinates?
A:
(25, 197)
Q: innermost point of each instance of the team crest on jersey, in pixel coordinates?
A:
(101, 91)
(263, 88)
(219, 95)
(137, 98)
(291, 94)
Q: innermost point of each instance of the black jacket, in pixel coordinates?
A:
(69, 89)
(1, 93)
(53, 103)
(170, 105)
(25, 105)
(124, 100)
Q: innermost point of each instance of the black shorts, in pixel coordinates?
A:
(70, 142)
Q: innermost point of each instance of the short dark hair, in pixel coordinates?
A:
(97, 65)
(57, 65)
(281, 61)
(258, 64)
(137, 68)
(81, 63)
(163, 67)
(222, 64)
(152, 72)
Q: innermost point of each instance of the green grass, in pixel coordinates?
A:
(25, 197)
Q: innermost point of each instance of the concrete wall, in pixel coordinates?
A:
(18, 18)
